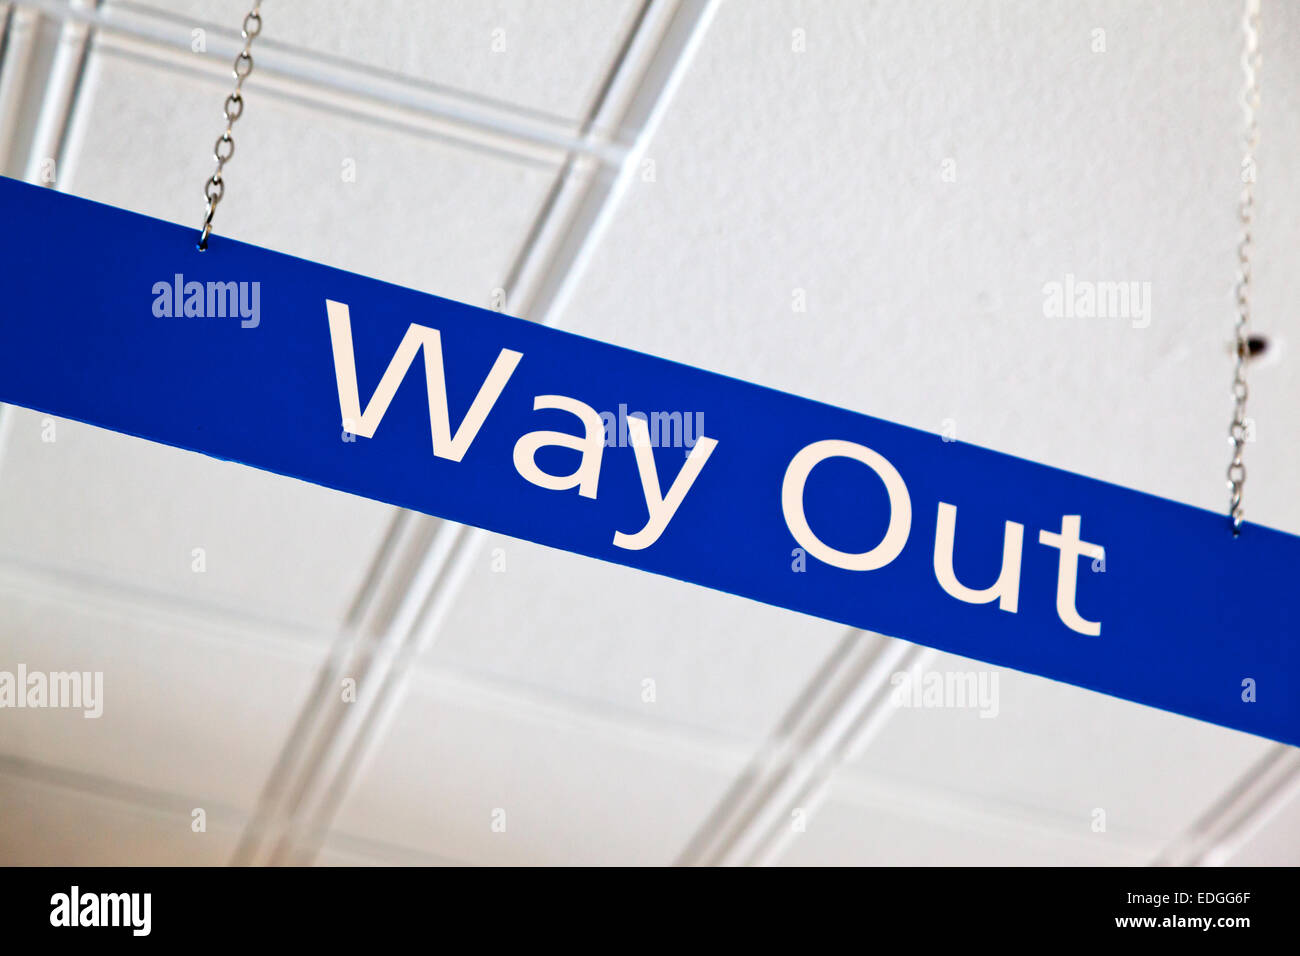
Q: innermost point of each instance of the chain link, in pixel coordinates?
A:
(215, 186)
(1237, 431)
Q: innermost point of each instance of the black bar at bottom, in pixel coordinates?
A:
(334, 906)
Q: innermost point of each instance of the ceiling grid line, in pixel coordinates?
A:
(681, 743)
(316, 727)
(21, 28)
(289, 67)
(675, 35)
(843, 707)
(62, 90)
(1243, 810)
(676, 31)
(19, 41)
(692, 745)
(346, 105)
(177, 808)
(697, 747)
(349, 657)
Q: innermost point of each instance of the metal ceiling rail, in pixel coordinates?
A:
(63, 84)
(474, 113)
(419, 577)
(838, 714)
(343, 105)
(1254, 799)
(17, 39)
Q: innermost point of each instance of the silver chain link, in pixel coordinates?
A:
(1237, 431)
(215, 186)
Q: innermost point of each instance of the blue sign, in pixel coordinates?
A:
(115, 319)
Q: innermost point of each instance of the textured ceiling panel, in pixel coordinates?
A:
(1058, 751)
(397, 203)
(549, 57)
(188, 708)
(1275, 840)
(172, 521)
(76, 828)
(642, 644)
(566, 792)
(866, 834)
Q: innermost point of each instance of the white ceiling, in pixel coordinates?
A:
(510, 677)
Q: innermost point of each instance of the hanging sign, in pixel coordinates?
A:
(115, 319)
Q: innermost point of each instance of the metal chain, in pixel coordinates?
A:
(1237, 431)
(215, 187)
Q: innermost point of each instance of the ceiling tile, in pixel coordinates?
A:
(188, 709)
(362, 195)
(549, 57)
(567, 794)
(1273, 840)
(43, 825)
(183, 524)
(849, 834)
(1051, 749)
(639, 644)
